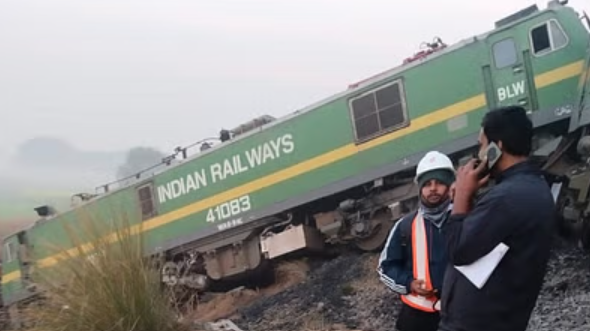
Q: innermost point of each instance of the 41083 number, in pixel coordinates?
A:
(229, 209)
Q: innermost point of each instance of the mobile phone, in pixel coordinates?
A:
(493, 154)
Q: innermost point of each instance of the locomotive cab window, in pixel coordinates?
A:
(378, 111)
(505, 53)
(548, 37)
(145, 194)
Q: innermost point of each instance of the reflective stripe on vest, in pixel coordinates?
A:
(421, 268)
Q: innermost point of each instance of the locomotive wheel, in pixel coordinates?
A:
(382, 224)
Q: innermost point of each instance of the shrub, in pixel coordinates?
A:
(103, 284)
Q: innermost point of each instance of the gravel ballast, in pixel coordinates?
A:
(345, 293)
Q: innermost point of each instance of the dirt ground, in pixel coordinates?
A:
(345, 293)
(226, 305)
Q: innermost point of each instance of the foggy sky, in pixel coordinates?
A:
(170, 72)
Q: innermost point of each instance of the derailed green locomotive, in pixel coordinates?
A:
(341, 170)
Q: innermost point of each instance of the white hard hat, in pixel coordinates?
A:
(434, 160)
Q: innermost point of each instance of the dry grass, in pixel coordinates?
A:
(109, 287)
(224, 305)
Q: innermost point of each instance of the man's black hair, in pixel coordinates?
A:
(512, 126)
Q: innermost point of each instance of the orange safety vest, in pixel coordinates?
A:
(421, 268)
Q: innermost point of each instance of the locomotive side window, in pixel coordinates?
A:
(505, 53)
(8, 252)
(378, 111)
(548, 37)
(146, 201)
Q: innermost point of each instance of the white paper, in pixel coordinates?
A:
(555, 188)
(480, 271)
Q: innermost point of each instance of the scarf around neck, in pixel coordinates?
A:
(436, 215)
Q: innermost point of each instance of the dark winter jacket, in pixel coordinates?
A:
(395, 264)
(519, 212)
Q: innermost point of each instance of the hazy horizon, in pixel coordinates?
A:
(112, 75)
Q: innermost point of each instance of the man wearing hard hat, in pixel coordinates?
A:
(413, 260)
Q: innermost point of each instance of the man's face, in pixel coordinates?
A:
(434, 193)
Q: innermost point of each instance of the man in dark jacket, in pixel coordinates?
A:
(413, 260)
(517, 212)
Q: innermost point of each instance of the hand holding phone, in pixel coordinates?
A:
(470, 178)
